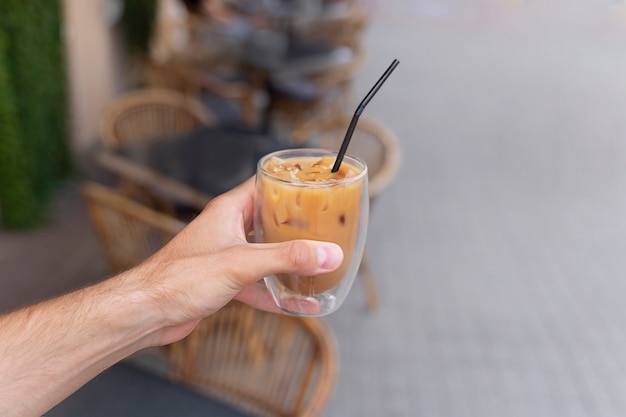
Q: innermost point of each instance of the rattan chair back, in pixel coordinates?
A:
(196, 80)
(263, 363)
(337, 76)
(345, 24)
(333, 91)
(128, 231)
(372, 141)
(150, 114)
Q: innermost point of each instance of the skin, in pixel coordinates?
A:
(49, 350)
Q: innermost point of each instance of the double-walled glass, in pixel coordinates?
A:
(336, 210)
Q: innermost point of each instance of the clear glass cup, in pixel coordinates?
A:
(289, 207)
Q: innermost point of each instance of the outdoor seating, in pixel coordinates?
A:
(145, 116)
(280, 63)
(375, 144)
(128, 231)
(341, 22)
(299, 94)
(204, 84)
(150, 114)
(180, 158)
(263, 363)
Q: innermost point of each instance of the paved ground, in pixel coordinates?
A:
(499, 250)
(51, 260)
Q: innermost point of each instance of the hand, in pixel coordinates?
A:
(210, 262)
(54, 347)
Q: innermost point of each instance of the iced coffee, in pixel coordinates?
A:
(298, 197)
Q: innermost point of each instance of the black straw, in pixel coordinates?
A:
(359, 110)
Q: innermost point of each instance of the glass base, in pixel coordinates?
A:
(291, 302)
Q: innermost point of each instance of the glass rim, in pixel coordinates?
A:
(312, 152)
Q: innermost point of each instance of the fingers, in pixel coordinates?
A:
(300, 257)
(247, 198)
(228, 216)
(241, 199)
(303, 257)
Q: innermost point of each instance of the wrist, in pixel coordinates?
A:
(152, 302)
(135, 307)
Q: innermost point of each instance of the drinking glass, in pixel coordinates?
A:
(288, 207)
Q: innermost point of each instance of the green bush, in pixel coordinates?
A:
(34, 156)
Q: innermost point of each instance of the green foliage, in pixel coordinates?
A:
(16, 193)
(34, 155)
(138, 21)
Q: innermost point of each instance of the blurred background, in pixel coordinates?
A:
(495, 250)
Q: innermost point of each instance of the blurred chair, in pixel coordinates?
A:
(128, 231)
(343, 21)
(197, 81)
(297, 97)
(375, 144)
(205, 65)
(263, 363)
(150, 115)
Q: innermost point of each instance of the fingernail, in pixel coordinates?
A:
(329, 256)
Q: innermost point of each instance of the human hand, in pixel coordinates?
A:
(210, 262)
(74, 337)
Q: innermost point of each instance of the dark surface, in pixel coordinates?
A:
(124, 390)
(210, 160)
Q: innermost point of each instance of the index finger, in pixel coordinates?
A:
(241, 200)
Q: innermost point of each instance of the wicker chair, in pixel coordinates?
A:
(265, 364)
(146, 115)
(332, 91)
(337, 29)
(195, 80)
(376, 145)
(150, 114)
(128, 231)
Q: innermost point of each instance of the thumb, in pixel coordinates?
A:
(302, 257)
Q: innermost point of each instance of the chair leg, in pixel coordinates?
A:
(369, 285)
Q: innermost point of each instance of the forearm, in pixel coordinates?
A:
(51, 349)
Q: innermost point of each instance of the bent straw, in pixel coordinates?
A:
(357, 114)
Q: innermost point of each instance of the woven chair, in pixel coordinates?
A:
(195, 80)
(332, 91)
(263, 363)
(146, 115)
(129, 232)
(373, 142)
(339, 28)
(151, 114)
